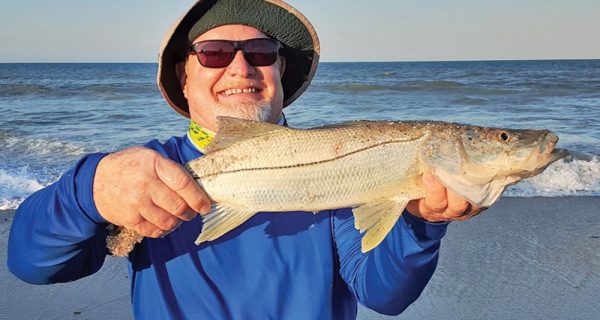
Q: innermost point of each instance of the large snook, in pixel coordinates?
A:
(373, 166)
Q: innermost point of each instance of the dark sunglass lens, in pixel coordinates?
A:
(215, 54)
(261, 52)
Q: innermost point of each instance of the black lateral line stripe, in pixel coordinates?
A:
(191, 171)
(309, 163)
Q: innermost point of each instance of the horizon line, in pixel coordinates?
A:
(344, 61)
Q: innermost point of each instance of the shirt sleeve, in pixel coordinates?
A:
(391, 276)
(57, 234)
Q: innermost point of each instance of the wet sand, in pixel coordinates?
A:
(525, 258)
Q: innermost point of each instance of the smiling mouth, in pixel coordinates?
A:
(230, 92)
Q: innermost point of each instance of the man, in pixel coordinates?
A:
(246, 59)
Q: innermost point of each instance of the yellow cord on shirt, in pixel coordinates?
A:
(200, 136)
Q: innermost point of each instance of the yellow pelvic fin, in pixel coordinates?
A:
(377, 219)
(222, 220)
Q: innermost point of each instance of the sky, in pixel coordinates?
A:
(350, 30)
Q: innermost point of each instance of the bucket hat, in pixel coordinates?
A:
(275, 18)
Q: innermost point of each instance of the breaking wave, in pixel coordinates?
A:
(578, 177)
(15, 186)
(27, 164)
(23, 145)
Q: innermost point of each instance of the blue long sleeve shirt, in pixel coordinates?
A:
(293, 265)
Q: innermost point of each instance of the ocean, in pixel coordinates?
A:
(53, 114)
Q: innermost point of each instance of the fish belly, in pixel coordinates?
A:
(377, 172)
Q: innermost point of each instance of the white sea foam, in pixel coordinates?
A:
(41, 146)
(562, 178)
(15, 185)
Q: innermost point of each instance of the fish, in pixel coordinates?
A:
(373, 167)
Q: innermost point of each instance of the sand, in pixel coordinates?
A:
(525, 258)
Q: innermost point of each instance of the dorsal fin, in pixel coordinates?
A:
(232, 130)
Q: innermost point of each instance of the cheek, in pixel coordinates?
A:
(198, 90)
(199, 82)
(275, 83)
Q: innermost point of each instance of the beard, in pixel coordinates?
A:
(249, 110)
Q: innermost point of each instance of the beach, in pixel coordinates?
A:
(525, 258)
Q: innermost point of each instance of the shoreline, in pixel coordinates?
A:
(524, 258)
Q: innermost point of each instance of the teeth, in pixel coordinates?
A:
(229, 92)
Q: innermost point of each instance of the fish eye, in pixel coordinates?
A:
(504, 136)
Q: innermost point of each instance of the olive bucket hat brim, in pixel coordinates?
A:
(275, 18)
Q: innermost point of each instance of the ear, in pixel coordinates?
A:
(182, 76)
(282, 63)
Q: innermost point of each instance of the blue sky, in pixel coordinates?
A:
(351, 30)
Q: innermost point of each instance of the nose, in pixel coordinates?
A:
(239, 66)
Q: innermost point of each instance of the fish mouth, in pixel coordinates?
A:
(547, 150)
(548, 154)
(555, 155)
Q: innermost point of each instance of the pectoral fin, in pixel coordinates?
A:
(222, 220)
(377, 219)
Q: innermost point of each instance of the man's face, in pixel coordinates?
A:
(213, 92)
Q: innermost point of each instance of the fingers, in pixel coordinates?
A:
(147, 229)
(154, 222)
(160, 218)
(168, 200)
(181, 182)
(141, 190)
(457, 205)
(436, 199)
(441, 204)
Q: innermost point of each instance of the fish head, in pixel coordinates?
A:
(505, 152)
(479, 163)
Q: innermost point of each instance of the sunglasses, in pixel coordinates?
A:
(258, 52)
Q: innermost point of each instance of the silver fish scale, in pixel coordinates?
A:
(291, 147)
(340, 181)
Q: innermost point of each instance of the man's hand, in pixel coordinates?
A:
(139, 189)
(441, 204)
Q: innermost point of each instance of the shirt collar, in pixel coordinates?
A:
(201, 137)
